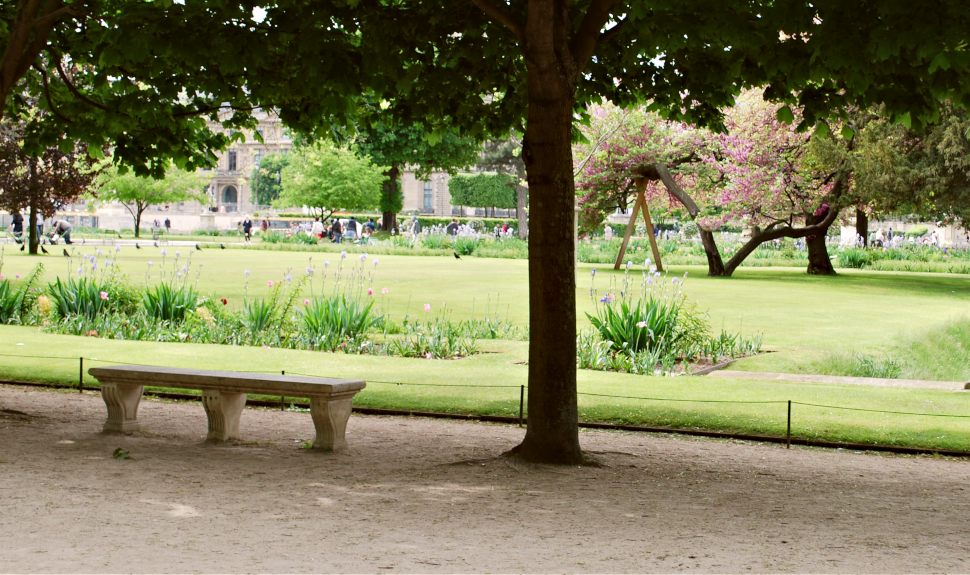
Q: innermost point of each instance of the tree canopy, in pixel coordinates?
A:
(137, 193)
(483, 190)
(399, 145)
(267, 178)
(40, 182)
(327, 178)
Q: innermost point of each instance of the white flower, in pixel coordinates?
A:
(376, 262)
(164, 253)
(629, 264)
(343, 255)
(309, 270)
(326, 264)
(363, 257)
(247, 273)
(150, 263)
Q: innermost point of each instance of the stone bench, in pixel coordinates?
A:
(224, 396)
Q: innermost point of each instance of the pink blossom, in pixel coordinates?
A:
(428, 355)
(269, 283)
(306, 301)
(104, 295)
(385, 291)
(427, 307)
(370, 291)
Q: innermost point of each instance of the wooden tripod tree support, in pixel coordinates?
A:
(641, 203)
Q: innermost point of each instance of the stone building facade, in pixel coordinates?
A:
(230, 190)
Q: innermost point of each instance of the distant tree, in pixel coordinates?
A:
(136, 193)
(504, 156)
(923, 172)
(267, 178)
(327, 178)
(399, 146)
(484, 190)
(40, 183)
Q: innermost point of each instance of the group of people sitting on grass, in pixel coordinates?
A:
(337, 232)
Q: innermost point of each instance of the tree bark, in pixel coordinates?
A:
(862, 226)
(715, 264)
(552, 435)
(390, 193)
(819, 262)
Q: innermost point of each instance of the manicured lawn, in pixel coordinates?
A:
(802, 319)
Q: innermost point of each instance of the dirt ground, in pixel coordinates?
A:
(429, 496)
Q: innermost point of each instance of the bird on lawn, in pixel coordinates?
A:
(21, 247)
(137, 247)
(119, 236)
(66, 254)
(43, 250)
(222, 246)
(198, 247)
(156, 244)
(457, 257)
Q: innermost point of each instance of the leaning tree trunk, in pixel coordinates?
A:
(552, 435)
(715, 265)
(819, 262)
(862, 226)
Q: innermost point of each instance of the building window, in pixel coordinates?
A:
(257, 158)
(232, 160)
(428, 197)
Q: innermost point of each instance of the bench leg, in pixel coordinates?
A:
(122, 402)
(223, 410)
(330, 420)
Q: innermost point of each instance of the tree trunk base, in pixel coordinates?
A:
(548, 457)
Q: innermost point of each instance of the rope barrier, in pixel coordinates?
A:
(879, 410)
(522, 387)
(683, 400)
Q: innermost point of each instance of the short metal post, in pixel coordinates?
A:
(788, 432)
(521, 402)
(80, 375)
(282, 397)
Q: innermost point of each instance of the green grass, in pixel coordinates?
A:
(489, 384)
(805, 321)
(799, 316)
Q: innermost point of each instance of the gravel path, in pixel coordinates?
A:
(431, 496)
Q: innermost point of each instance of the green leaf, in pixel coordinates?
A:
(940, 62)
(847, 132)
(785, 115)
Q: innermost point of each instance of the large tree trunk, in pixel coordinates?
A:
(391, 201)
(715, 265)
(819, 262)
(862, 226)
(552, 435)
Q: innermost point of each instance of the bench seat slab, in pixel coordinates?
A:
(122, 401)
(223, 410)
